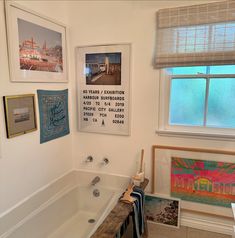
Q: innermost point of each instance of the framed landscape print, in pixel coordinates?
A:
(162, 210)
(53, 110)
(36, 45)
(19, 114)
(103, 76)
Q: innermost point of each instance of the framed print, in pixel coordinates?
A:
(36, 45)
(19, 114)
(162, 210)
(204, 179)
(54, 118)
(103, 76)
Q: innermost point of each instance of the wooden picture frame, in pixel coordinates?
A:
(162, 174)
(36, 46)
(162, 210)
(20, 114)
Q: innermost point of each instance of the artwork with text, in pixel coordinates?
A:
(53, 108)
(203, 181)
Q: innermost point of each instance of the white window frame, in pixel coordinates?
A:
(165, 129)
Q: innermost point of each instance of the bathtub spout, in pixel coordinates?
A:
(95, 180)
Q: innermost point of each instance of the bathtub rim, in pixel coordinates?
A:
(48, 185)
(13, 217)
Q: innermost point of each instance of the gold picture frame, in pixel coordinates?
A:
(20, 115)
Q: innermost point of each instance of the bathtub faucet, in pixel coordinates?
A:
(95, 180)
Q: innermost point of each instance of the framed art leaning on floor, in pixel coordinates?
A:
(162, 210)
(36, 45)
(204, 179)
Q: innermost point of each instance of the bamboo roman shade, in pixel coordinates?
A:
(196, 35)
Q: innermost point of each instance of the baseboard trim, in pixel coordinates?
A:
(207, 225)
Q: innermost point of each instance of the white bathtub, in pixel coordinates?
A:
(71, 212)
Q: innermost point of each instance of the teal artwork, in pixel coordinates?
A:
(53, 109)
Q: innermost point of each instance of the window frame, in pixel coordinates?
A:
(165, 129)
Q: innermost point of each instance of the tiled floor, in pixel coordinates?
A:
(158, 231)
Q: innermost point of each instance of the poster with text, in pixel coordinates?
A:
(103, 75)
(54, 116)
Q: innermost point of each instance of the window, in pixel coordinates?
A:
(195, 98)
(198, 99)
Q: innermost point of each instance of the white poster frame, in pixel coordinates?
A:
(14, 12)
(124, 87)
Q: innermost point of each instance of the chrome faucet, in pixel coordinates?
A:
(89, 159)
(95, 180)
(105, 161)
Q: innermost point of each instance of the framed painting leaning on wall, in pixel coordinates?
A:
(162, 210)
(204, 179)
(36, 45)
(19, 114)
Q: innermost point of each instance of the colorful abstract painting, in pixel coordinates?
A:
(53, 109)
(203, 181)
(162, 210)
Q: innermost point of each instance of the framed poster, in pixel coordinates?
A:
(103, 76)
(19, 114)
(54, 117)
(204, 179)
(36, 45)
(162, 210)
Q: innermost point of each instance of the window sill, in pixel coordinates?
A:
(196, 135)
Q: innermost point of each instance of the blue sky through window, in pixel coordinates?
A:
(221, 113)
(188, 70)
(187, 101)
(188, 97)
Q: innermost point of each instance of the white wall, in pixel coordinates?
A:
(110, 22)
(25, 165)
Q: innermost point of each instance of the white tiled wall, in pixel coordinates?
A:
(158, 231)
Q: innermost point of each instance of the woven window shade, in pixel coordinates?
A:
(196, 35)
